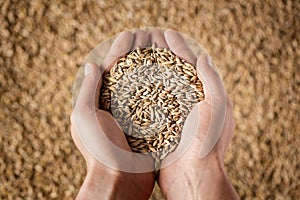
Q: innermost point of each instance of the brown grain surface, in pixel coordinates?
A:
(43, 43)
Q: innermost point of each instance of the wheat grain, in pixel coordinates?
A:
(150, 93)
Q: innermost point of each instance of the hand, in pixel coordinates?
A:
(98, 136)
(199, 173)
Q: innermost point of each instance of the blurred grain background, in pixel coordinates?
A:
(255, 44)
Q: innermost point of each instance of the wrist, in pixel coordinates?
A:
(99, 183)
(197, 178)
(103, 182)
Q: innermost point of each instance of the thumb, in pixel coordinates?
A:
(215, 96)
(89, 92)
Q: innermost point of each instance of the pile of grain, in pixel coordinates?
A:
(255, 45)
(150, 92)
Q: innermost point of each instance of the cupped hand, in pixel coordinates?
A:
(199, 172)
(100, 139)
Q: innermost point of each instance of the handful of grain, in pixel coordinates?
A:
(150, 92)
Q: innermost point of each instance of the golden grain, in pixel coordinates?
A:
(150, 92)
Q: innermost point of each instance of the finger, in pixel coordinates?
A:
(178, 45)
(141, 39)
(112, 130)
(215, 96)
(157, 37)
(120, 47)
(212, 82)
(90, 88)
(192, 136)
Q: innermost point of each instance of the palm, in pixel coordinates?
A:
(86, 115)
(203, 113)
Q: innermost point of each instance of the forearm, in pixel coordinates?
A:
(201, 182)
(113, 186)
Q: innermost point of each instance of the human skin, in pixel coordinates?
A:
(189, 177)
(103, 182)
(192, 177)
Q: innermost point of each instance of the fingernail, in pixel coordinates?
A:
(173, 28)
(209, 61)
(87, 69)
